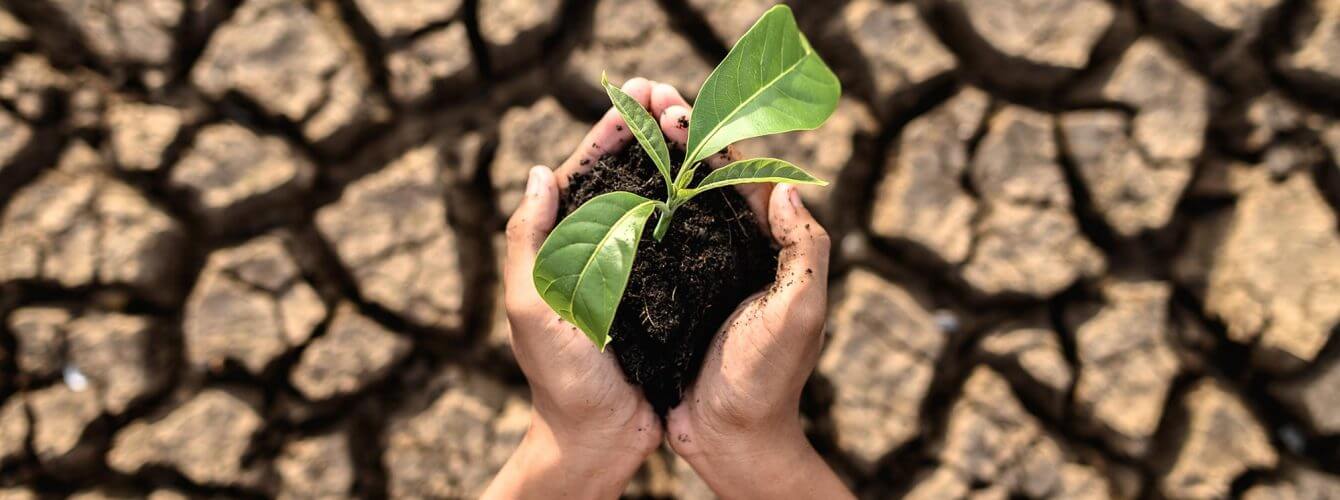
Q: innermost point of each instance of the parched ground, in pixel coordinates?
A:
(1086, 248)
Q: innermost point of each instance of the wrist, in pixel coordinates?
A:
(625, 433)
(551, 462)
(773, 460)
(598, 447)
(720, 448)
(709, 430)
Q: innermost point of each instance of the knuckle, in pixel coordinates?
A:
(808, 234)
(517, 228)
(819, 237)
(519, 311)
(522, 306)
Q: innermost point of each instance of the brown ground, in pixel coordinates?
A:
(1085, 248)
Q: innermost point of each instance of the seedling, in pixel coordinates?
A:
(771, 82)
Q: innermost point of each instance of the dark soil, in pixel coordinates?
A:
(683, 288)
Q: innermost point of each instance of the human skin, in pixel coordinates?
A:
(590, 429)
(739, 428)
(739, 424)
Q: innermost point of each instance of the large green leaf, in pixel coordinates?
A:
(756, 170)
(771, 82)
(583, 266)
(645, 128)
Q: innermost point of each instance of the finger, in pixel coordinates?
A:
(663, 96)
(674, 124)
(608, 135)
(526, 230)
(802, 265)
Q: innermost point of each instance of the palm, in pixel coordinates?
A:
(753, 363)
(572, 382)
(577, 370)
(742, 345)
(569, 377)
(751, 370)
(754, 372)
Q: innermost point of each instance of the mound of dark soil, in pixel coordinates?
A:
(683, 288)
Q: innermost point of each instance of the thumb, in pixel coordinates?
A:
(802, 267)
(526, 231)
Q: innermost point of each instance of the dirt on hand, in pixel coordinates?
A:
(683, 287)
(1082, 248)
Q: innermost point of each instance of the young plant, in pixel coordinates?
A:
(771, 82)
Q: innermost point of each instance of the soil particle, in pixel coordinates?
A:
(683, 288)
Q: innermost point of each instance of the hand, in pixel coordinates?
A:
(739, 424)
(590, 429)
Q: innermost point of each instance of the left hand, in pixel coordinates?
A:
(590, 429)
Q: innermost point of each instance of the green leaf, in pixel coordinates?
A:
(645, 128)
(771, 82)
(756, 170)
(583, 266)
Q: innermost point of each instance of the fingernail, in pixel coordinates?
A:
(534, 182)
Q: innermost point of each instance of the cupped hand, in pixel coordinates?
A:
(590, 429)
(739, 424)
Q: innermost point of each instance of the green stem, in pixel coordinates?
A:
(671, 188)
(663, 223)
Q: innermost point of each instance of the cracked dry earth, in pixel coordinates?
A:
(1086, 248)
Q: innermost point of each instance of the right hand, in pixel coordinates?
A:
(739, 424)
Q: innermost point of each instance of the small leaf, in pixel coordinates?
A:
(644, 127)
(771, 82)
(583, 266)
(756, 170)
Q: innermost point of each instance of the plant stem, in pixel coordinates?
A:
(663, 223)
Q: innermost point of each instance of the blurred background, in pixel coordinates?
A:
(1084, 248)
